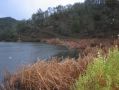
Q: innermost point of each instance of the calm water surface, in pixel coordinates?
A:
(14, 55)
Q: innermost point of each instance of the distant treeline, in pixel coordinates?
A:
(93, 18)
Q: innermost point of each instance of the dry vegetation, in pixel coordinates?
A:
(56, 74)
(52, 75)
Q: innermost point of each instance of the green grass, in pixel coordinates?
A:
(101, 74)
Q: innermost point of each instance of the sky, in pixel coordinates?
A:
(23, 9)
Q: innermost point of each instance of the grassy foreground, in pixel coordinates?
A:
(91, 71)
(101, 74)
(51, 75)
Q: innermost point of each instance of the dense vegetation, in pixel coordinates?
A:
(101, 74)
(7, 28)
(90, 72)
(93, 18)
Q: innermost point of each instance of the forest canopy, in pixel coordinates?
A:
(93, 18)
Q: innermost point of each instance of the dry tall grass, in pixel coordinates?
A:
(55, 75)
(52, 75)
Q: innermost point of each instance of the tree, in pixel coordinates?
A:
(38, 18)
(112, 3)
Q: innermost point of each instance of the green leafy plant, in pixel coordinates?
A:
(101, 74)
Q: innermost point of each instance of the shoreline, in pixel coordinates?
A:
(84, 46)
(56, 70)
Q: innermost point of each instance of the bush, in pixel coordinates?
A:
(101, 74)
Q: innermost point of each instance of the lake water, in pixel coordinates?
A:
(13, 55)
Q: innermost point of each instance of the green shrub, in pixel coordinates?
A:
(101, 74)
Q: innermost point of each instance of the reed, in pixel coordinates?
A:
(101, 74)
(55, 74)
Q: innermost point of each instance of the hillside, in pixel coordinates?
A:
(91, 19)
(7, 28)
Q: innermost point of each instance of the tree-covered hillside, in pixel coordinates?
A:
(7, 28)
(93, 18)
